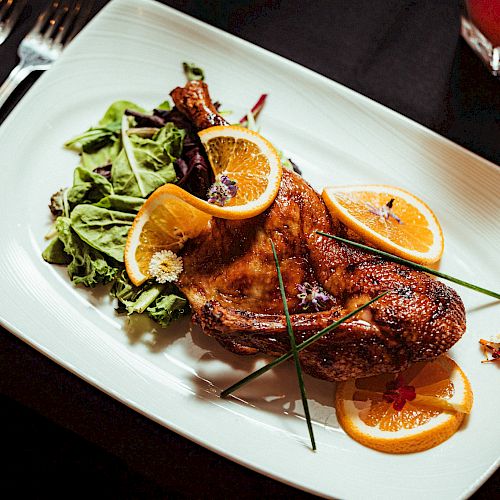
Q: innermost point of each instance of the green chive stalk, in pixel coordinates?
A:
(413, 265)
(300, 347)
(291, 335)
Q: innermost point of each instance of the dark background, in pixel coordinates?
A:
(56, 431)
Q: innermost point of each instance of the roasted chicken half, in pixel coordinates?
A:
(231, 283)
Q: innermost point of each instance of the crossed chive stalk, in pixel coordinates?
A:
(295, 349)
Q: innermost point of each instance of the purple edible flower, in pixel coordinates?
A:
(312, 296)
(231, 185)
(222, 190)
(385, 211)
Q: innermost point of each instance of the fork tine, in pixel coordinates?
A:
(5, 8)
(67, 23)
(55, 19)
(9, 15)
(80, 20)
(42, 18)
(15, 13)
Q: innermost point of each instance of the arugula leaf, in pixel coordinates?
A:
(105, 230)
(121, 202)
(88, 266)
(88, 187)
(146, 164)
(167, 308)
(55, 254)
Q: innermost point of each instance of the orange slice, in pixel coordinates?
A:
(388, 218)
(408, 412)
(171, 215)
(248, 159)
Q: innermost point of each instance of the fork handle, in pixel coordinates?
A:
(17, 75)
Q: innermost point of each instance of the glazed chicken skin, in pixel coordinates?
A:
(231, 283)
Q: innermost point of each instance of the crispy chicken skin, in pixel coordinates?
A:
(194, 101)
(231, 283)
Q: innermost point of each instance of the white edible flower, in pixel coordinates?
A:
(165, 266)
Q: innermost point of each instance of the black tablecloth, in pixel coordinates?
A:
(59, 431)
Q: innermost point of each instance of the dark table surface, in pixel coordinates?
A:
(57, 430)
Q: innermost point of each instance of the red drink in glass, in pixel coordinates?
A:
(485, 14)
(481, 30)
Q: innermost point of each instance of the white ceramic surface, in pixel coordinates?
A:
(133, 50)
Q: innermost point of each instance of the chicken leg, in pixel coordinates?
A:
(231, 283)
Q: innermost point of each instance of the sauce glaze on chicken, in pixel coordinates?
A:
(231, 283)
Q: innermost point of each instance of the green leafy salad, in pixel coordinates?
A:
(121, 163)
(123, 159)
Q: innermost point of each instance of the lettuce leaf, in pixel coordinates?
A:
(122, 203)
(134, 299)
(102, 229)
(88, 187)
(93, 139)
(55, 254)
(114, 113)
(103, 156)
(88, 266)
(167, 308)
(162, 303)
(104, 135)
(146, 164)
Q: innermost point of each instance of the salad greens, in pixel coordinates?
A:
(107, 131)
(88, 186)
(145, 164)
(122, 203)
(55, 254)
(103, 229)
(163, 303)
(88, 266)
(123, 158)
(120, 166)
(193, 72)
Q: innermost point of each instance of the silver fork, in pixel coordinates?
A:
(40, 48)
(10, 10)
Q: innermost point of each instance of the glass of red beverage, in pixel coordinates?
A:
(481, 30)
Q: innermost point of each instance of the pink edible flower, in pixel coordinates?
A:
(398, 393)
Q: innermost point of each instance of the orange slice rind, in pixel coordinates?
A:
(249, 159)
(405, 226)
(171, 215)
(443, 396)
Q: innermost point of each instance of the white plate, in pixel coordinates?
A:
(133, 50)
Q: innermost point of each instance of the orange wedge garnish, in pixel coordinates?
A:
(171, 215)
(388, 218)
(412, 411)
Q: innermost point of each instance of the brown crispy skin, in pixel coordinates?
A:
(194, 101)
(231, 283)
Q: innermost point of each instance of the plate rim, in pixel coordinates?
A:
(114, 4)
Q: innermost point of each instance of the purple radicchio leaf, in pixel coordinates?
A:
(145, 120)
